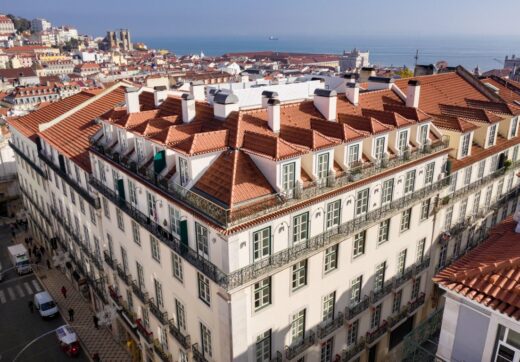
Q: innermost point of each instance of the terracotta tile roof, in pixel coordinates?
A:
(508, 90)
(408, 112)
(365, 124)
(489, 274)
(270, 146)
(341, 131)
(204, 142)
(495, 107)
(453, 123)
(389, 118)
(444, 88)
(71, 135)
(233, 178)
(470, 114)
(28, 125)
(310, 138)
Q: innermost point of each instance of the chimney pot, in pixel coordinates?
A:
(266, 95)
(188, 108)
(273, 114)
(132, 100)
(413, 93)
(159, 94)
(326, 101)
(352, 93)
(224, 104)
(197, 90)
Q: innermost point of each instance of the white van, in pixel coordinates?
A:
(45, 305)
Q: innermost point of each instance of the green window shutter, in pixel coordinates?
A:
(159, 161)
(448, 167)
(121, 189)
(184, 235)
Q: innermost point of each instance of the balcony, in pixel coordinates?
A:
(376, 333)
(108, 259)
(404, 277)
(278, 357)
(114, 295)
(92, 200)
(184, 340)
(36, 167)
(96, 260)
(227, 217)
(123, 275)
(395, 319)
(354, 309)
(36, 205)
(143, 331)
(419, 267)
(376, 296)
(143, 296)
(353, 351)
(98, 287)
(297, 348)
(198, 355)
(158, 313)
(330, 326)
(416, 303)
(203, 265)
(128, 316)
(159, 350)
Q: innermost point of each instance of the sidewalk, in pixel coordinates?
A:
(93, 340)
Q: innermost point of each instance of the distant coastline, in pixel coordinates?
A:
(397, 51)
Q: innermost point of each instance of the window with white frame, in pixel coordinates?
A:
(492, 135)
(333, 214)
(328, 304)
(352, 334)
(124, 260)
(158, 293)
(362, 202)
(177, 269)
(355, 289)
(476, 203)
(396, 304)
(132, 192)
(136, 233)
(481, 169)
(120, 220)
(331, 258)
(465, 145)
(421, 245)
(204, 291)
(156, 252)
(401, 262)
(379, 276)
(205, 337)
(383, 231)
(353, 155)
(139, 148)
(300, 227)
(514, 126)
(406, 218)
(326, 350)
(425, 209)
(409, 183)
(416, 288)
(151, 201)
(507, 345)
(140, 276)
(180, 313)
(184, 177)
(92, 215)
(515, 153)
(448, 217)
(175, 220)
(402, 143)
(288, 177)
(387, 191)
(467, 175)
(359, 244)
(262, 293)
(423, 134)
(263, 347)
(201, 237)
(489, 192)
(500, 187)
(379, 148)
(462, 210)
(428, 174)
(299, 275)
(102, 175)
(376, 316)
(298, 326)
(322, 170)
(494, 163)
(453, 183)
(261, 243)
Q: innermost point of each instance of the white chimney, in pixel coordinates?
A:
(224, 104)
(352, 93)
(188, 108)
(159, 94)
(266, 95)
(376, 83)
(326, 100)
(413, 93)
(197, 90)
(273, 114)
(132, 100)
(211, 94)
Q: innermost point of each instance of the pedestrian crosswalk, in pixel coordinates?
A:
(19, 291)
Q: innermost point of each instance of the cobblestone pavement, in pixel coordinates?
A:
(100, 340)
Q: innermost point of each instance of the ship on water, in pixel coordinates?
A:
(272, 37)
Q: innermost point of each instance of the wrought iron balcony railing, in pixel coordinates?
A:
(123, 275)
(354, 309)
(108, 259)
(377, 295)
(159, 350)
(398, 317)
(36, 205)
(37, 168)
(330, 326)
(416, 303)
(114, 295)
(353, 351)
(161, 315)
(376, 333)
(142, 295)
(98, 287)
(198, 356)
(278, 357)
(183, 339)
(297, 348)
(229, 217)
(92, 200)
(143, 331)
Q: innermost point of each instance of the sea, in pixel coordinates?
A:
(487, 52)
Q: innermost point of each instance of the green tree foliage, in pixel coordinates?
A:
(405, 73)
(20, 24)
(71, 44)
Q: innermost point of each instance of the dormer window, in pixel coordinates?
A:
(322, 170)
(353, 155)
(107, 130)
(492, 135)
(465, 145)
(514, 126)
(288, 178)
(121, 135)
(379, 149)
(184, 177)
(402, 144)
(423, 134)
(139, 147)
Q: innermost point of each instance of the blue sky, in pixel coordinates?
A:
(177, 18)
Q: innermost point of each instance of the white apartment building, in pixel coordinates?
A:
(38, 25)
(294, 231)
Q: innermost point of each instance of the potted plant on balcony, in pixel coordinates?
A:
(507, 164)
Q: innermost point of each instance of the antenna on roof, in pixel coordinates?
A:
(416, 57)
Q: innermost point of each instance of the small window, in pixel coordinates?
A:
(204, 291)
(428, 175)
(177, 267)
(328, 307)
(136, 233)
(156, 253)
(387, 192)
(425, 209)
(261, 243)
(379, 276)
(396, 305)
(263, 347)
(352, 335)
(362, 202)
(298, 326)
(262, 293)
(359, 244)
(120, 219)
(333, 214)
(300, 228)
(299, 275)
(492, 135)
(409, 184)
(406, 217)
(331, 258)
(384, 231)
(355, 290)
